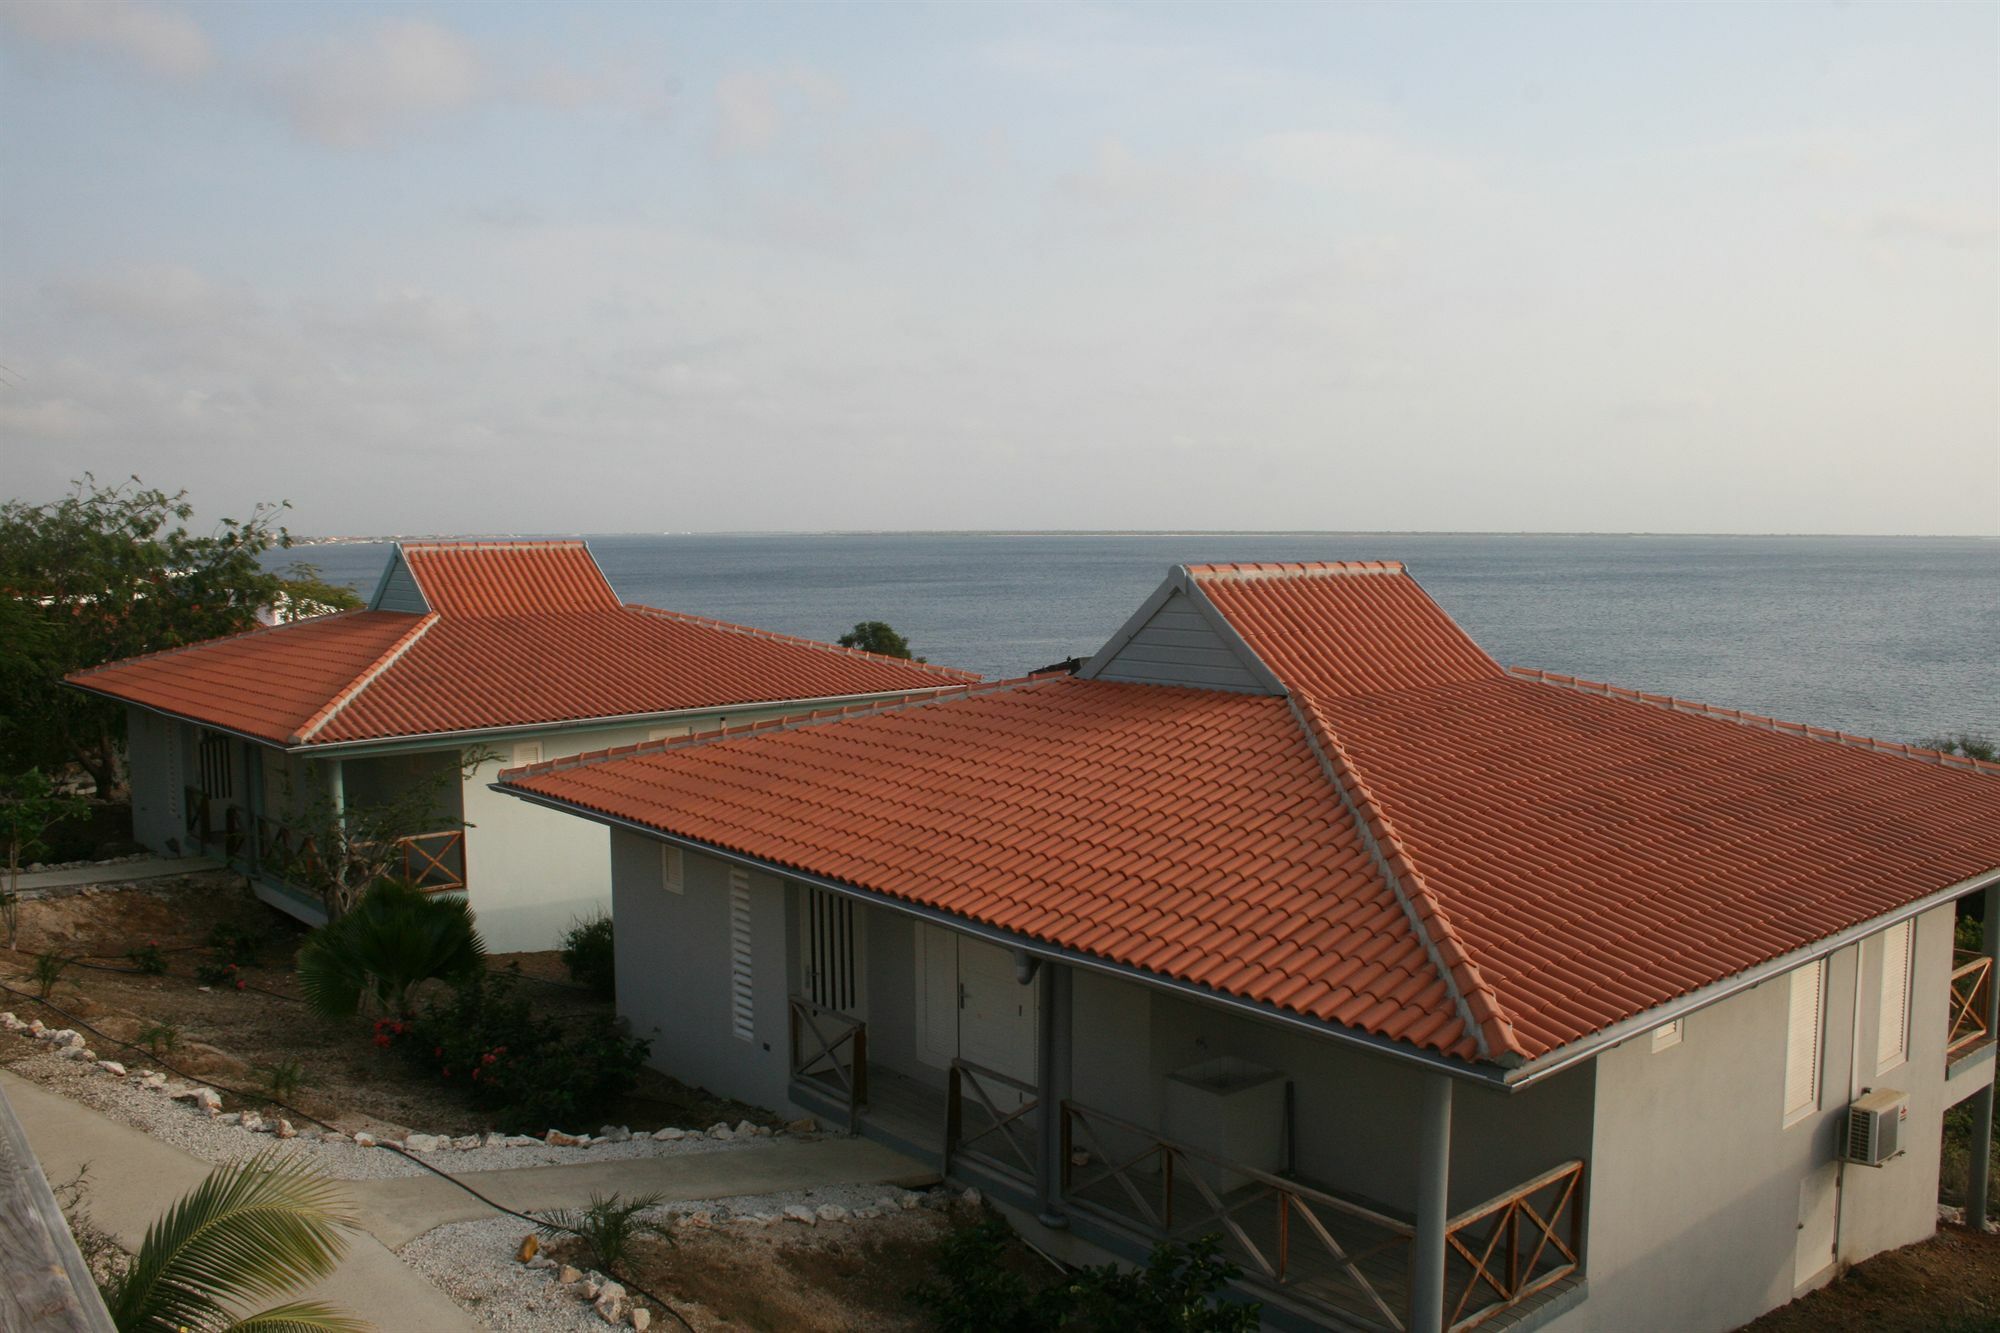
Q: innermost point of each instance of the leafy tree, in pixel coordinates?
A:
(252, 1230)
(589, 952)
(341, 850)
(1966, 744)
(875, 636)
(396, 937)
(1176, 1292)
(113, 571)
(29, 807)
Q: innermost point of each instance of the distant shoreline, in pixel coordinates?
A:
(298, 541)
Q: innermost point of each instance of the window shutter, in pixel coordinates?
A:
(742, 1011)
(1892, 1031)
(832, 967)
(1802, 1042)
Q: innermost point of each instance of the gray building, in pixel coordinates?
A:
(1445, 994)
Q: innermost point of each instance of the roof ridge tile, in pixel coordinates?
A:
(1754, 721)
(117, 662)
(1278, 569)
(751, 631)
(1477, 1002)
(367, 676)
(784, 722)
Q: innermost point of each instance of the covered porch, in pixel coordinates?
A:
(270, 814)
(1351, 1189)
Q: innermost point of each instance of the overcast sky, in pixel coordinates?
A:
(674, 267)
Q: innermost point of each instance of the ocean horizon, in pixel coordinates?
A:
(1892, 637)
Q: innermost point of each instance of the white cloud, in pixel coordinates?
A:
(1960, 228)
(351, 92)
(164, 41)
(1359, 162)
(752, 106)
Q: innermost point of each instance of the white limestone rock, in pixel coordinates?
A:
(112, 1067)
(423, 1143)
(641, 1317)
(832, 1212)
(283, 1129)
(721, 1131)
(466, 1142)
(614, 1134)
(365, 1140)
(670, 1135)
(798, 1212)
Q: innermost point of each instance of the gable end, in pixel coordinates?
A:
(398, 590)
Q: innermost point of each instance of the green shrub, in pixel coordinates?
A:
(216, 972)
(975, 1291)
(235, 944)
(282, 1079)
(588, 954)
(396, 938)
(527, 1072)
(162, 1039)
(148, 961)
(607, 1227)
(48, 970)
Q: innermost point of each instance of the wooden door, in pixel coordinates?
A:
(996, 1016)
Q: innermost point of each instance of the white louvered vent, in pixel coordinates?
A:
(1892, 1029)
(527, 752)
(672, 869)
(1802, 1042)
(832, 972)
(742, 1000)
(1666, 1035)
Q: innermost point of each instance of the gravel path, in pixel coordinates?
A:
(474, 1263)
(182, 1125)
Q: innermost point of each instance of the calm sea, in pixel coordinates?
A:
(1888, 637)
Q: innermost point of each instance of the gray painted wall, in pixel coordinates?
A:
(674, 972)
(399, 591)
(1178, 646)
(155, 776)
(1695, 1179)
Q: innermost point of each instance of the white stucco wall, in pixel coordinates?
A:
(1695, 1179)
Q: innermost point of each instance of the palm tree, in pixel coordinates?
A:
(395, 937)
(253, 1229)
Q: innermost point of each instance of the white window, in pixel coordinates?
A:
(527, 752)
(1892, 1029)
(742, 998)
(1667, 1034)
(671, 869)
(1802, 1042)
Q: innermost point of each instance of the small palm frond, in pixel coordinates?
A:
(252, 1229)
(300, 1317)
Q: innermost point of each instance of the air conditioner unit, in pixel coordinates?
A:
(1875, 1127)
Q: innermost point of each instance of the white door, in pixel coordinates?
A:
(1816, 1203)
(996, 1018)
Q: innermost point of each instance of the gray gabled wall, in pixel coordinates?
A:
(1178, 645)
(398, 590)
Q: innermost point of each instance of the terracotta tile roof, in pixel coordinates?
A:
(1408, 841)
(1188, 832)
(520, 634)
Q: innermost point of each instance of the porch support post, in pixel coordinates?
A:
(1981, 1148)
(1052, 1088)
(336, 791)
(1427, 1254)
(253, 803)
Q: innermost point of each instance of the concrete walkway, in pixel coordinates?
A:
(398, 1211)
(117, 872)
(133, 1179)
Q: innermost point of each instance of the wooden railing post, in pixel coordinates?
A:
(954, 1113)
(857, 1079)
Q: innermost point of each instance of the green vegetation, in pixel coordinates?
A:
(875, 636)
(48, 969)
(528, 1073)
(282, 1080)
(588, 953)
(147, 960)
(976, 1291)
(162, 1039)
(1965, 744)
(29, 807)
(109, 572)
(252, 1230)
(608, 1227)
(395, 938)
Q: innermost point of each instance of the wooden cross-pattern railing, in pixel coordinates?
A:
(1011, 1128)
(1971, 982)
(829, 1050)
(435, 862)
(195, 816)
(286, 853)
(1515, 1244)
(1284, 1234)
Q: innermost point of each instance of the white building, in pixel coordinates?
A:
(470, 657)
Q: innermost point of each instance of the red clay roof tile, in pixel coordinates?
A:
(519, 634)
